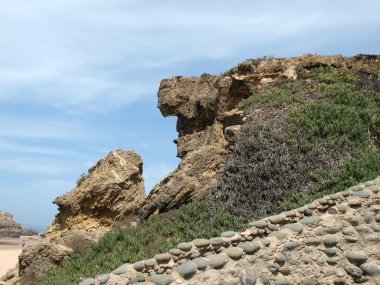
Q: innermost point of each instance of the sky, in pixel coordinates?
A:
(79, 78)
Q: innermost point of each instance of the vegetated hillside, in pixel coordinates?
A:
(310, 127)
(303, 138)
(151, 237)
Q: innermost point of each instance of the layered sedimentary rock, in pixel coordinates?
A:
(10, 228)
(112, 190)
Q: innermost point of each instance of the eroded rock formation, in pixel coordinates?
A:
(208, 121)
(112, 190)
(10, 228)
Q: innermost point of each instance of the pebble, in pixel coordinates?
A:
(371, 269)
(265, 278)
(330, 241)
(248, 276)
(228, 234)
(175, 251)
(341, 208)
(200, 262)
(280, 258)
(217, 260)
(234, 252)
(340, 281)
(354, 203)
(278, 234)
(332, 260)
(150, 263)
(216, 242)
(163, 279)
(356, 256)
(350, 239)
(121, 269)
(187, 269)
(362, 229)
(295, 227)
(273, 227)
(201, 242)
(163, 257)
(185, 246)
(368, 217)
(310, 220)
(103, 278)
(249, 247)
(331, 251)
(312, 241)
(354, 271)
(139, 266)
(291, 245)
(273, 267)
(362, 194)
(278, 219)
(259, 224)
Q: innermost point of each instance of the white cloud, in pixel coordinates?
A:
(94, 55)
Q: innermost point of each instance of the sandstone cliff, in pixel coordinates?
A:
(113, 189)
(208, 121)
(9, 228)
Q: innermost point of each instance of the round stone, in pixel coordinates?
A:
(187, 269)
(278, 234)
(195, 255)
(374, 238)
(331, 251)
(265, 278)
(355, 220)
(216, 241)
(350, 239)
(185, 246)
(103, 278)
(295, 227)
(354, 203)
(280, 258)
(354, 271)
(362, 194)
(163, 279)
(163, 257)
(273, 227)
(259, 224)
(277, 219)
(160, 270)
(332, 260)
(217, 260)
(175, 251)
(228, 234)
(234, 252)
(249, 247)
(368, 217)
(330, 241)
(201, 242)
(150, 263)
(291, 245)
(362, 229)
(333, 210)
(356, 256)
(371, 269)
(310, 220)
(139, 266)
(248, 276)
(121, 269)
(200, 262)
(341, 208)
(273, 267)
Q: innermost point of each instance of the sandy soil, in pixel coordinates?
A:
(10, 249)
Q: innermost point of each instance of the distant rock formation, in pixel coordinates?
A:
(10, 229)
(112, 191)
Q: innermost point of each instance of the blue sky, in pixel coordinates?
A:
(79, 78)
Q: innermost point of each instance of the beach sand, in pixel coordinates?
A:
(10, 249)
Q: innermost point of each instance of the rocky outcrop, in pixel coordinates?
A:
(333, 240)
(112, 190)
(9, 228)
(208, 121)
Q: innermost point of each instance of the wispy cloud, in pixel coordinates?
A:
(93, 55)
